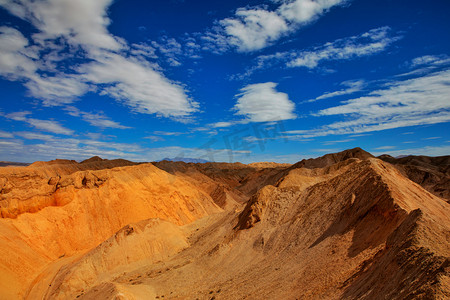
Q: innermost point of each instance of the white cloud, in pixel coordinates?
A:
(168, 133)
(102, 121)
(35, 136)
(416, 96)
(81, 22)
(18, 116)
(255, 28)
(57, 90)
(155, 138)
(369, 43)
(4, 134)
(143, 50)
(305, 11)
(114, 68)
(95, 119)
(338, 141)
(44, 125)
(434, 60)
(170, 48)
(427, 64)
(49, 126)
(263, 103)
(385, 148)
(353, 86)
(221, 124)
(134, 83)
(16, 59)
(418, 101)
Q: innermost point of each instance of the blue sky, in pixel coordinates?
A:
(275, 80)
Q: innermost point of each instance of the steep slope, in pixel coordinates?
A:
(362, 230)
(83, 209)
(432, 173)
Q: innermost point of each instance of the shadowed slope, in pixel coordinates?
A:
(432, 173)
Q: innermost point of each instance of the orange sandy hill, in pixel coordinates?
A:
(345, 225)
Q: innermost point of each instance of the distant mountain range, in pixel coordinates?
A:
(10, 163)
(186, 160)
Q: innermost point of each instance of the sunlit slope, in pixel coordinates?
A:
(85, 208)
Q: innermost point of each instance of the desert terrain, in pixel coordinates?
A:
(346, 225)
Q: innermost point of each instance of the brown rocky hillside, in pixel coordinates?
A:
(342, 226)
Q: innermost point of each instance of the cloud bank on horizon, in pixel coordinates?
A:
(116, 78)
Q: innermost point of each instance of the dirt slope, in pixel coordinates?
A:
(361, 230)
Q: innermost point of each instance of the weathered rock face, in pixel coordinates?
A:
(353, 228)
(29, 189)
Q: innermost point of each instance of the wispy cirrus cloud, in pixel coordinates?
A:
(44, 125)
(155, 138)
(4, 134)
(385, 148)
(168, 133)
(35, 136)
(398, 103)
(254, 28)
(95, 119)
(426, 64)
(430, 60)
(368, 43)
(352, 86)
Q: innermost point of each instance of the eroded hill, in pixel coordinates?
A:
(346, 225)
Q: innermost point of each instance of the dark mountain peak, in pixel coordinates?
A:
(332, 158)
(92, 159)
